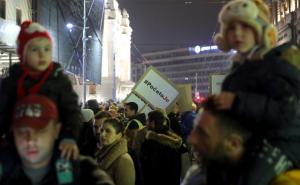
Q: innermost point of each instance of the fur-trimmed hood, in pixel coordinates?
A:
(107, 155)
(169, 139)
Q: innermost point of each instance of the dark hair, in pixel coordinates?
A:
(227, 122)
(121, 110)
(116, 123)
(133, 106)
(102, 114)
(93, 105)
(161, 122)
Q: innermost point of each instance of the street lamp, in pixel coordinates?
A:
(196, 84)
(84, 51)
(70, 26)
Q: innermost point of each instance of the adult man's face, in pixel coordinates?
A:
(207, 139)
(129, 112)
(35, 146)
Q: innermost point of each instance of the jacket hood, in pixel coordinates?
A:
(107, 155)
(169, 139)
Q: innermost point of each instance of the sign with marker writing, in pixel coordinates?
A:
(156, 89)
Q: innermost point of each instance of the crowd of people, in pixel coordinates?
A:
(248, 134)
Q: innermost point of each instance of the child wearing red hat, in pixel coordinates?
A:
(37, 74)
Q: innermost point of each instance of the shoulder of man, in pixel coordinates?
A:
(91, 174)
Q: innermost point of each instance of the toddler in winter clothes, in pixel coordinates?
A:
(37, 74)
(262, 90)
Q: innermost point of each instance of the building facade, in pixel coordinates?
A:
(187, 66)
(108, 38)
(286, 17)
(12, 13)
(116, 57)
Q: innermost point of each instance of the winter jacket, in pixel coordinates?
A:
(133, 125)
(87, 142)
(267, 100)
(175, 123)
(84, 171)
(139, 179)
(57, 87)
(160, 158)
(187, 122)
(116, 161)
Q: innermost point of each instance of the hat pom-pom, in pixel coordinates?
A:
(221, 43)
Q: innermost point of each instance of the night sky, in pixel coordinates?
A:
(166, 24)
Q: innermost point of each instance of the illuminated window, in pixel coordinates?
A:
(3, 9)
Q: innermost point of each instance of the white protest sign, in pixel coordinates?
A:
(154, 88)
(216, 81)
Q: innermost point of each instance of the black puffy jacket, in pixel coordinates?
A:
(267, 99)
(57, 87)
(84, 171)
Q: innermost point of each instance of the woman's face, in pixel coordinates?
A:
(109, 134)
(241, 37)
(97, 125)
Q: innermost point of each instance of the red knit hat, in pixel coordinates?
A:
(29, 31)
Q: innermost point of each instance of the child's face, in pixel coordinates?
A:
(38, 54)
(241, 37)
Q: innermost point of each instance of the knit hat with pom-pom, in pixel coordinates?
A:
(29, 30)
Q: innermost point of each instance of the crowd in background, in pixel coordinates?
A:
(247, 134)
(136, 148)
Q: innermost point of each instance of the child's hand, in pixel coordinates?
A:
(69, 149)
(224, 100)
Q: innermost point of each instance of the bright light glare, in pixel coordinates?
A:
(213, 47)
(205, 48)
(197, 49)
(70, 25)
